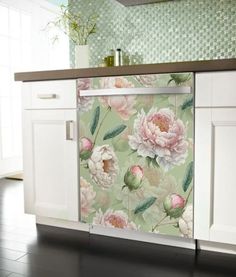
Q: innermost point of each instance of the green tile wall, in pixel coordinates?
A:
(58, 2)
(178, 30)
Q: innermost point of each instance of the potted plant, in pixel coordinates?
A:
(78, 28)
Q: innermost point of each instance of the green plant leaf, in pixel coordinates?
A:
(176, 213)
(95, 120)
(143, 206)
(132, 152)
(188, 103)
(179, 78)
(188, 177)
(114, 132)
(176, 225)
(85, 155)
(154, 162)
(149, 161)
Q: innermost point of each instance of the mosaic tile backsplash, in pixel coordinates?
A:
(178, 30)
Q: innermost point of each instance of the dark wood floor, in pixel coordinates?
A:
(44, 252)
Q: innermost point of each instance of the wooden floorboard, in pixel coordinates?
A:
(27, 251)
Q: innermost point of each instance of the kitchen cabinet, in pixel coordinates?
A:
(50, 152)
(63, 197)
(215, 152)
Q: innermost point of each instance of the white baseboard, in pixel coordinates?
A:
(139, 236)
(216, 247)
(62, 223)
(145, 237)
(118, 233)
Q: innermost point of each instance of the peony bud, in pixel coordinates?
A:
(133, 177)
(86, 147)
(174, 205)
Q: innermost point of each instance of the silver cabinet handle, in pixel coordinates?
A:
(69, 130)
(47, 96)
(136, 91)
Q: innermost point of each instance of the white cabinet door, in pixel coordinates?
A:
(50, 163)
(215, 171)
(216, 89)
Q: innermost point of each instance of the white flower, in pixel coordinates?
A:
(103, 166)
(186, 222)
(114, 219)
(87, 195)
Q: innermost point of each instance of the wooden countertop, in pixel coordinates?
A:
(191, 66)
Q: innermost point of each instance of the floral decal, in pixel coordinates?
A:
(136, 155)
(160, 136)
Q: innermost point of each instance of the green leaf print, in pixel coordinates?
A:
(85, 155)
(188, 177)
(152, 161)
(179, 78)
(114, 132)
(188, 103)
(143, 206)
(95, 120)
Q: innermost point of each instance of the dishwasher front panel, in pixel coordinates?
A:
(136, 152)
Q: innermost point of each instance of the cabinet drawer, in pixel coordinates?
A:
(50, 95)
(216, 89)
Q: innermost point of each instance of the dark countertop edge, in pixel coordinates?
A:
(190, 66)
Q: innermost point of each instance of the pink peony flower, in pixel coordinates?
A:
(113, 219)
(122, 104)
(137, 171)
(160, 135)
(87, 196)
(85, 103)
(177, 201)
(86, 147)
(133, 177)
(85, 144)
(174, 205)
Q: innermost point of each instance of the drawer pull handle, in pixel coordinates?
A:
(47, 96)
(69, 130)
